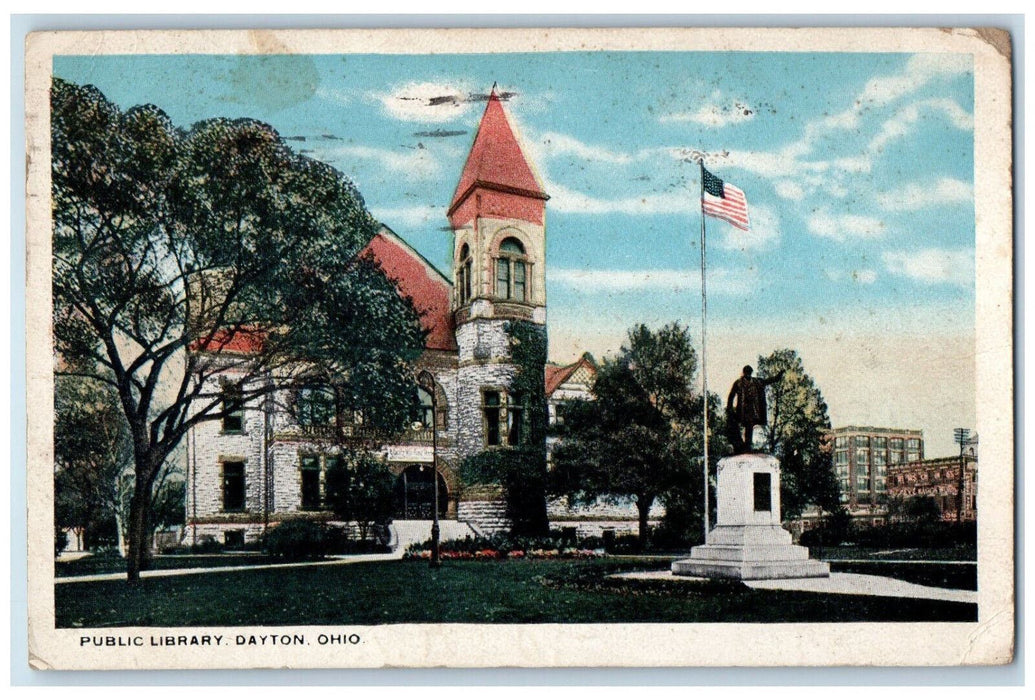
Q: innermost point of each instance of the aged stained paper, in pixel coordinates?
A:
(876, 165)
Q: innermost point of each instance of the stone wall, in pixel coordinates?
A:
(484, 353)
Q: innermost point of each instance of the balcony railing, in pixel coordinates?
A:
(351, 431)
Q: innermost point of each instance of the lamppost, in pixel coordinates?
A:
(962, 436)
(427, 382)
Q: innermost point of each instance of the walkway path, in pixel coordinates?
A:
(406, 533)
(839, 583)
(162, 573)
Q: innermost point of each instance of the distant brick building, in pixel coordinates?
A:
(862, 455)
(939, 479)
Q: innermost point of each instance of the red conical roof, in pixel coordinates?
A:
(496, 160)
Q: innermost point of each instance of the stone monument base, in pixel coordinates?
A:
(749, 543)
(750, 552)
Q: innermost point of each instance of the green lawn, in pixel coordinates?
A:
(959, 553)
(939, 575)
(462, 591)
(117, 565)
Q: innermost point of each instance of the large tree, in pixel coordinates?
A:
(637, 437)
(91, 454)
(797, 434)
(174, 249)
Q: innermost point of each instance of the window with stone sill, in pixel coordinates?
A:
(427, 408)
(233, 486)
(310, 482)
(233, 409)
(503, 416)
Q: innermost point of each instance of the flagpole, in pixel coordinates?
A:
(704, 349)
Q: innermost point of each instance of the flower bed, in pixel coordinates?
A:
(500, 555)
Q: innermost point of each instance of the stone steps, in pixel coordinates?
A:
(407, 532)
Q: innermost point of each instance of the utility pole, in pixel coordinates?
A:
(962, 436)
(427, 382)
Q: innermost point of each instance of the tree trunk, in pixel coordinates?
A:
(643, 504)
(139, 558)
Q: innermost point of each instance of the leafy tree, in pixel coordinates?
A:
(360, 489)
(173, 249)
(640, 435)
(915, 509)
(91, 452)
(797, 435)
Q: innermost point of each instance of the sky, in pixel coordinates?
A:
(858, 171)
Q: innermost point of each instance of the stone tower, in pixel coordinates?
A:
(498, 215)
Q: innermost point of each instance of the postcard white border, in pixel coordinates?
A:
(987, 641)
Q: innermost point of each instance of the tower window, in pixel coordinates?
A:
(491, 405)
(463, 274)
(511, 269)
(504, 418)
(515, 419)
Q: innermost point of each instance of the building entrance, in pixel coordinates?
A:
(415, 494)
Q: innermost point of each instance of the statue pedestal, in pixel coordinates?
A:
(748, 541)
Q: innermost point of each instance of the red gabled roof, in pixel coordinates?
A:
(418, 279)
(555, 375)
(496, 160)
(243, 341)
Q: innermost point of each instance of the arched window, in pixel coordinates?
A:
(511, 269)
(463, 274)
(426, 407)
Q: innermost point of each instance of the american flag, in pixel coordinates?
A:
(724, 201)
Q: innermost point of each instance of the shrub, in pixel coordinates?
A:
(175, 549)
(300, 540)
(60, 541)
(207, 545)
(907, 534)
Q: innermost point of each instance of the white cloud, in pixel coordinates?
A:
(333, 95)
(765, 231)
(933, 265)
(789, 189)
(713, 115)
(414, 163)
(721, 281)
(903, 120)
(412, 217)
(842, 227)
(555, 144)
(920, 70)
(916, 196)
(563, 199)
(425, 102)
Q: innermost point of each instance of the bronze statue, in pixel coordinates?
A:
(746, 408)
